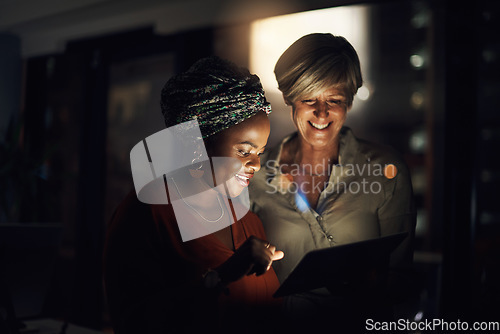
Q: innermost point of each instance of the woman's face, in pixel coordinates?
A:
(244, 142)
(319, 117)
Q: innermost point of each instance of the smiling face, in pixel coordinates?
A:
(319, 117)
(244, 142)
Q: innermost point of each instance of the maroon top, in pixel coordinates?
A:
(153, 279)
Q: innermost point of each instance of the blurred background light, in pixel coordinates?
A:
(489, 56)
(420, 20)
(363, 93)
(421, 16)
(417, 100)
(417, 60)
(418, 141)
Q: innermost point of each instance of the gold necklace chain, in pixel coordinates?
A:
(196, 211)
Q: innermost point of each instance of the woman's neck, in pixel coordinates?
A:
(188, 186)
(305, 153)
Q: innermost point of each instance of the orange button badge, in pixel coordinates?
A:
(390, 171)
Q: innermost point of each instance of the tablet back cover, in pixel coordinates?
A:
(328, 266)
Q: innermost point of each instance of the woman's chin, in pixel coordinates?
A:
(318, 143)
(234, 187)
(318, 140)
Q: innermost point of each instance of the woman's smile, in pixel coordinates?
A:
(243, 179)
(319, 126)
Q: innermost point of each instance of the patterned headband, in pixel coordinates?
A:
(216, 93)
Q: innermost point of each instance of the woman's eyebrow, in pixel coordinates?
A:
(246, 142)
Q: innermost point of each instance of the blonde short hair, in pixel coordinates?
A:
(317, 62)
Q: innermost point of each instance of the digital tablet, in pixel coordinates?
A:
(323, 267)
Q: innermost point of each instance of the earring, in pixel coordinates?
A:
(196, 171)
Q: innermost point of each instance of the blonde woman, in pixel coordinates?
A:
(322, 186)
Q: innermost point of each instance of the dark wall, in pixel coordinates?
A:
(67, 104)
(472, 218)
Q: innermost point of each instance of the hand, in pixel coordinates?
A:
(255, 256)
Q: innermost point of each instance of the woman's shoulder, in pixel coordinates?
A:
(383, 153)
(129, 209)
(372, 152)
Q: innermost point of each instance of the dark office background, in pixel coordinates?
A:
(80, 85)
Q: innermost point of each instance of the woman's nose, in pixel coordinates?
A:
(254, 163)
(321, 109)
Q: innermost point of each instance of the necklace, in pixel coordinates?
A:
(196, 211)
